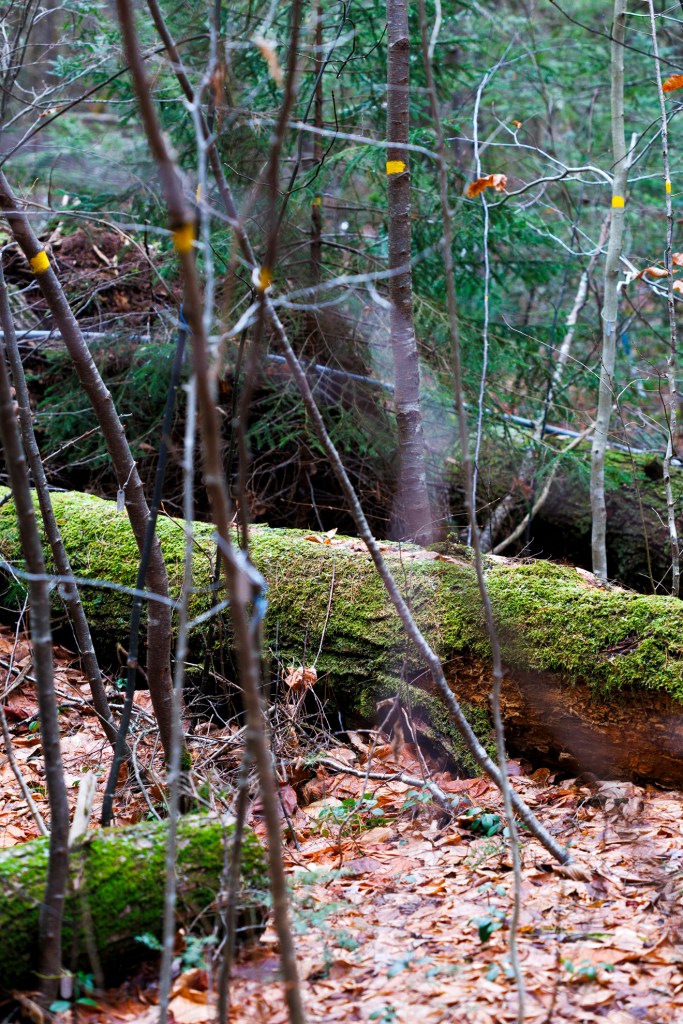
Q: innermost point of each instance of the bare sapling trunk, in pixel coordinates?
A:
(672, 404)
(52, 908)
(245, 586)
(159, 615)
(317, 205)
(459, 394)
(611, 296)
(175, 760)
(413, 512)
(146, 552)
(68, 591)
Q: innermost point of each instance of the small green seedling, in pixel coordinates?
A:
(416, 799)
(354, 815)
(484, 822)
(385, 1015)
(489, 923)
(587, 971)
(83, 989)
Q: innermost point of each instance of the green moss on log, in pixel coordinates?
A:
(117, 892)
(610, 638)
(552, 619)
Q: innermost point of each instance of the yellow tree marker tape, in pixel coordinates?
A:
(317, 201)
(40, 262)
(395, 167)
(261, 278)
(618, 202)
(183, 238)
(667, 186)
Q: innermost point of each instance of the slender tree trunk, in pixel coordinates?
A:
(413, 511)
(159, 616)
(611, 297)
(69, 591)
(484, 595)
(52, 907)
(317, 206)
(673, 344)
(245, 586)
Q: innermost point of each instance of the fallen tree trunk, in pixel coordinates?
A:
(116, 893)
(634, 499)
(594, 674)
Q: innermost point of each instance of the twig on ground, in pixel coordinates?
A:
(21, 781)
(447, 803)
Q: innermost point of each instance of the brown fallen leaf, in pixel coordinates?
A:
(322, 538)
(189, 1011)
(577, 870)
(362, 866)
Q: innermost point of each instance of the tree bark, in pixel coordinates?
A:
(413, 512)
(116, 893)
(244, 587)
(606, 393)
(672, 362)
(49, 951)
(593, 674)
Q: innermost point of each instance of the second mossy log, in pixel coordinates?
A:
(594, 674)
(638, 545)
(116, 894)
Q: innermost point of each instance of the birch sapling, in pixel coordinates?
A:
(611, 297)
(413, 511)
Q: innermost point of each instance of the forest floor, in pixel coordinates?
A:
(401, 914)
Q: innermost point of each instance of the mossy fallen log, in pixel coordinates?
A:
(634, 498)
(116, 893)
(594, 675)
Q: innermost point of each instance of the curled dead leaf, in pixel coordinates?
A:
(322, 538)
(672, 83)
(498, 182)
(266, 48)
(299, 679)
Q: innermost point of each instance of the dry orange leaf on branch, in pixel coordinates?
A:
(298, 679)
(495, 181)
(660, 271)
(672, 83)
(267, 49)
